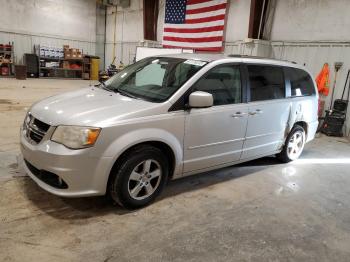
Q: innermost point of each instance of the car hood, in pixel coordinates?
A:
(89, 107)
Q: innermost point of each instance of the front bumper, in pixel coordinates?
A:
(84, 174)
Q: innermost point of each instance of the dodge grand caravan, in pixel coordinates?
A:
(167, 117)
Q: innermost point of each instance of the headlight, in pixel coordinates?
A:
(76, 137)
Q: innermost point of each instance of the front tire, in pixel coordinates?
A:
(139, 177)
(294, 145)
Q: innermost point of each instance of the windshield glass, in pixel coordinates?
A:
(154, 79)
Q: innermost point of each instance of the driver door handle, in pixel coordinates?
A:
(257, 111)
(237, 114)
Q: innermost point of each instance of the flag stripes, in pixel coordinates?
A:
(195, 24)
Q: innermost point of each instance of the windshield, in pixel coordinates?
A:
(154, 79)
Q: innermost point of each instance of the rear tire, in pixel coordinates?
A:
(139, 177)
(294, 145)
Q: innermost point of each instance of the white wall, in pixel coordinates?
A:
(128, 32)
(237, 20)
(311, 20)
(48, 22)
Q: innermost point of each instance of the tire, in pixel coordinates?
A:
(291, 149)
(141, 169)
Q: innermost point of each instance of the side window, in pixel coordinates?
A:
(301, 82)
(181, 74)
(224, 83)
(266, 82)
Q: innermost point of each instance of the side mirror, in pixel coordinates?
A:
(200, 99)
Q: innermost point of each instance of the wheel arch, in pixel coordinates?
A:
(303, 124)
(155, 137)
(157, 144)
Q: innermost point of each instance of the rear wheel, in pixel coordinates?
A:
(139, 178)
(294, 145)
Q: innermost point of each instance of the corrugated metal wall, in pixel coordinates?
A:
(47, 22)
(24, 43)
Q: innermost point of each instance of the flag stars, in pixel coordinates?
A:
(175, 11)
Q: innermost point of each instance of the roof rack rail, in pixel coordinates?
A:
(258, 57)
(247, 56)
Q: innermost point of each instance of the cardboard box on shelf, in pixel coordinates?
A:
(5, 60)
(72, 53)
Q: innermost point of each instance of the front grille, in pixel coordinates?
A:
(35, 129)
(47, 177)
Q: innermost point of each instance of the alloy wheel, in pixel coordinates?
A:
(144, 179)
(295, 145)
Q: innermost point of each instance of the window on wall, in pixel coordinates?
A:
(224, 83)
(150, 19)
(257, 20)
(266, 82)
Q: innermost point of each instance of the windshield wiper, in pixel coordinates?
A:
(103, 86)
(125, 93)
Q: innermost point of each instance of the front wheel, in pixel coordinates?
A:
(294, 145)
(139, 178)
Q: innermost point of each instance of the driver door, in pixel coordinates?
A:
(214, 136)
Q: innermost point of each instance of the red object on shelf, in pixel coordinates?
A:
(4, 71)
(5, 47)
(75, 66)
(8, 47)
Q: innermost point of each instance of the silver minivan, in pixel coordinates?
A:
(164, 118)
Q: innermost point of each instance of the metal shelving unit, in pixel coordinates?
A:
(7, 59)
(59, 71)
(86, 68)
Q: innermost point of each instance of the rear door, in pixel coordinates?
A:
(215, 135)
(268, 110)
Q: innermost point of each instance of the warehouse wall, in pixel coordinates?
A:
(311, 20)
(48, 22)
(129, 28)
(124, 32)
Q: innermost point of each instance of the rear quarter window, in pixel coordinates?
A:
(301, 82)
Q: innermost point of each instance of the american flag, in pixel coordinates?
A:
(194, 24)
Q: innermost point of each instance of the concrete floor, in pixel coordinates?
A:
(258, 211)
